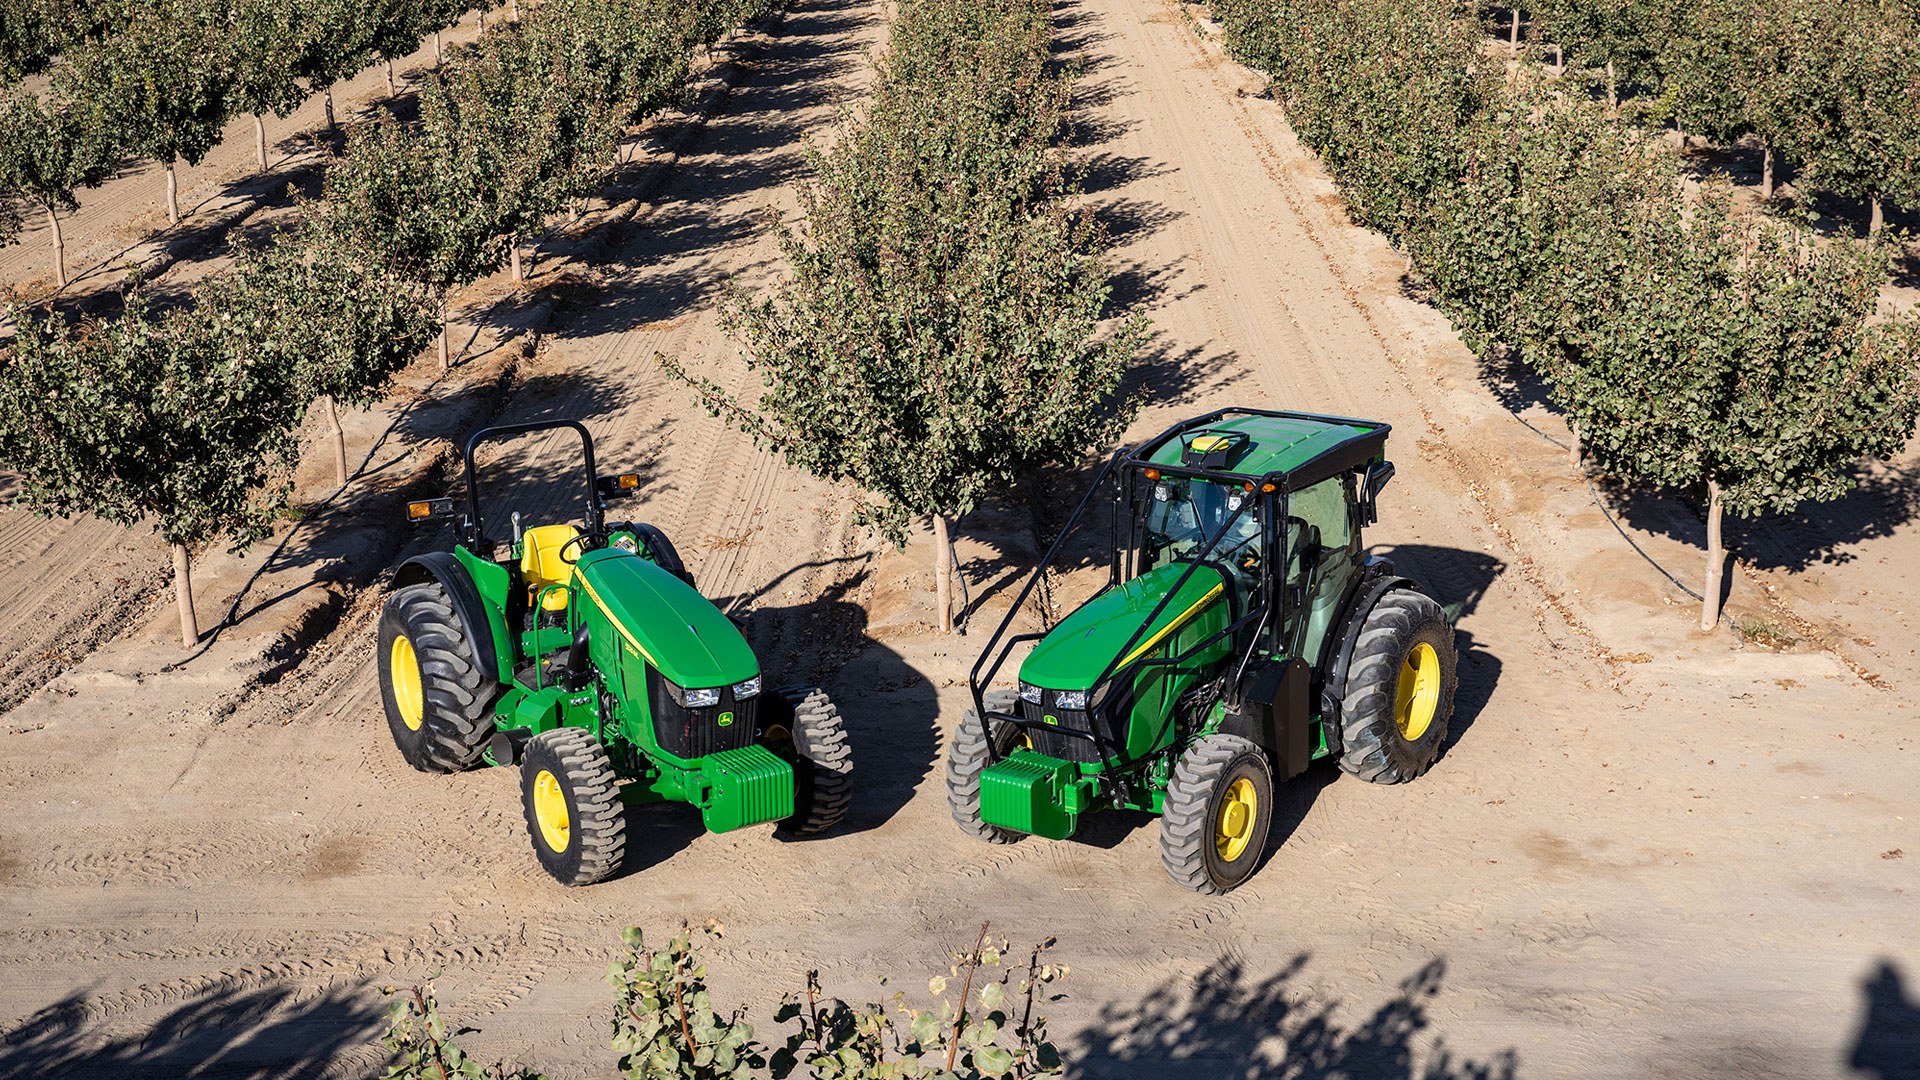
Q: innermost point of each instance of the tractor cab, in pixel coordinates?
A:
(1237, 590)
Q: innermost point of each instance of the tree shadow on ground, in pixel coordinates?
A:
(668, 259)
(1887, 1046)
(1226, 1025)
(280, 1031)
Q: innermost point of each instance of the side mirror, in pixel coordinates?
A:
(1376, 479)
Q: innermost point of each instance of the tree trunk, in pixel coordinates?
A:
(339, 439)
(392, 91)
(327, 96)
(1766, 172)
(445, 361)
(513, 10)
(59, 246)
(1559, 57)
(1513, 39)
(1573, 450)
(438, 56)
(513, 252)
(1613, 89)
(173, 195)
(1877, 220)
(260, 141)
(183, 596)
(483, 21)
(1716, 561)
(942, 573)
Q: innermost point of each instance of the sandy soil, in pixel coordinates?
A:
(1645, 852)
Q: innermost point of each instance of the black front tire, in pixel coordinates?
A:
(1211, 838)
(440, 711)
(1385, 738)
(969, 757)
(823, 762)
(571, 799)
(663, 553)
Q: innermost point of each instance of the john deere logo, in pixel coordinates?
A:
(726, 718)
(1051, 719)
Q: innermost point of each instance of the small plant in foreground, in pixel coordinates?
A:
(664, 1023)
(423, 1047)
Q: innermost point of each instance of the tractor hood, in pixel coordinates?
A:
(1076, 651)
(679, 631)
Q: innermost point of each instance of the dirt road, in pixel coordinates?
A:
(1642, 855)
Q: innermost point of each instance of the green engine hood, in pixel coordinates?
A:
(679, 631)
(1077, 650)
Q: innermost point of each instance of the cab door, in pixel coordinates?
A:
(1322, 556)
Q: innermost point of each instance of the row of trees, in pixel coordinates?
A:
(187, 418)
(1691, 346)
(938, 336)
(1830, 86)
(161, 79)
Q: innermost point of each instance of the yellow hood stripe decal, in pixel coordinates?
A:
(608, 612)
(1171, 627)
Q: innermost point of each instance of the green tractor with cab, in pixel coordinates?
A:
(583, 654)
(1242, 634)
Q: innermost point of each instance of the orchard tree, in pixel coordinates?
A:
(266, 58)
(1619, 37)
(1867, 143)
(1740, 356)
(166, 419)
(46, 153)
(417, 204)
(938, 337)
(335, 41)
(163, 83)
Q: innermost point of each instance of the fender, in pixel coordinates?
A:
(1272, 712)
(444, 568)
(1379, 577)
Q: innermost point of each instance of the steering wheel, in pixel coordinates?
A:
(580, 539)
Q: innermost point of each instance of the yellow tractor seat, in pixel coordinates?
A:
(541, 565)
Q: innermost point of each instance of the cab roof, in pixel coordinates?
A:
(1291, 449)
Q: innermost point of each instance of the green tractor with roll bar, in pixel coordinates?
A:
(1242, 633)
(585, 656)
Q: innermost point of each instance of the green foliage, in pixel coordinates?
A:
(938, 337)
(33, 32)
(266, 46)
(964, 1038)
(664, 1024)
(47, 152)
(424, 1049)
(162, 84)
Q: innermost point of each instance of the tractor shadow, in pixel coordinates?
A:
(280, 1031)
(1225, 1022)
(1887, 1046)
(1459, 579)
(891, 711)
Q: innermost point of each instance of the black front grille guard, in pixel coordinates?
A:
(1128, 456)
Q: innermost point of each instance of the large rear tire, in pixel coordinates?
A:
(1399, 693)
(572, 804)
(823, 766)
(438, 704)
(1218, 809)
(969, 757)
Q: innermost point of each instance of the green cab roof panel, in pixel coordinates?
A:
(1276, 444)
(679, 631)
(1079, 647)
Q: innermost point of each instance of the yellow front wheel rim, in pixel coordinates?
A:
(1233, 824)
(550, 811)
(403, 666)
(1418, 696)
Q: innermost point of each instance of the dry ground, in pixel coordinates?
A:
(1644, 853)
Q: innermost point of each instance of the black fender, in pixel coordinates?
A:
(1379, 576)
(658, 549)
(441, 566)
(1272, 712)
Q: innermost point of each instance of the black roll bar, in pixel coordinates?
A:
(596, 511)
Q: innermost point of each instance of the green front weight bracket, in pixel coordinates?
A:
(745, 787)
(1032, 793)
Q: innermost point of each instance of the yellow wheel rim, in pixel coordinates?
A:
(1418, 695)
(778, 733)
(403, 666)
(550, 811)
(1233, 825)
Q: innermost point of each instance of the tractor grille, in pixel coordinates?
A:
(1047, 738)
(695, 733)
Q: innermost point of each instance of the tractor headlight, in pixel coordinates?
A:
(1071, 699)
(744, 690)
(1029, 693)
(692, 699)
